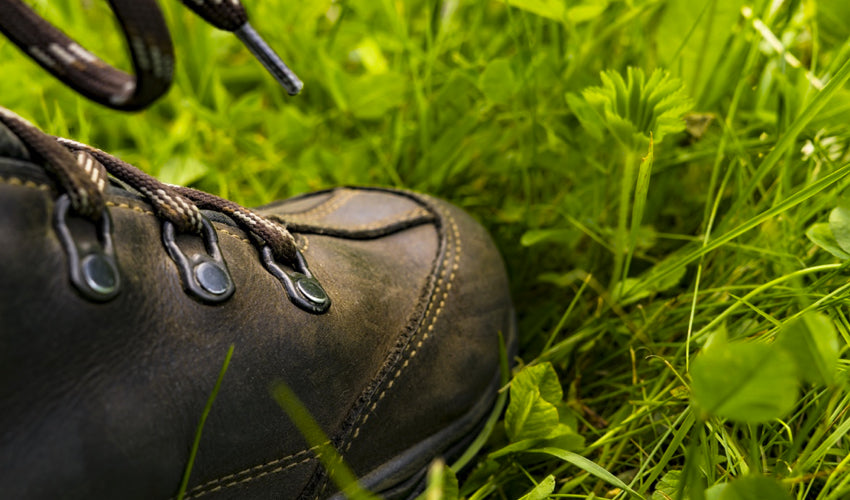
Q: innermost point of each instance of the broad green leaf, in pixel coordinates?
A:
(714, 492)
(553, 9)
(717, 338)
(839, 223)
(754, 488)
(498, 82)
(821, 235)
(532, 413)
(813, 343)
(542, 490)
(588, 466)
(668, 486)
(692, 36)
(747, 382)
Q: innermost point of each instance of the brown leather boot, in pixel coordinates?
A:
(381, 309)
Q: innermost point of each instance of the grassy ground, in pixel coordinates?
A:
(682, 301)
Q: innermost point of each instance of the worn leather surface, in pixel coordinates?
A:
(103, 399)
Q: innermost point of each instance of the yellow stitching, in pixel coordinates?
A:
(406, 217)
(196, 490)
(233, 235)
(250, 478)
(336, 200)
(457, 252)
(15, 181)
(127, 206)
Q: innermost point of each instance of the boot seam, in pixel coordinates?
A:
(449, 264)
(336, 200)
(17, 181)
(381, 227)
(254, 472)
(429, 331)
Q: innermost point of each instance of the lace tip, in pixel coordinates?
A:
(272, 62)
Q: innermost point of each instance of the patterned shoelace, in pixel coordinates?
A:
(150, 48)
(82, 171)
(82, 174)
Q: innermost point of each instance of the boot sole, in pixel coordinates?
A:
(405, 477)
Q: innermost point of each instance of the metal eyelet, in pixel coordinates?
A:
(205, 277)
(303, 289)
(93, 267)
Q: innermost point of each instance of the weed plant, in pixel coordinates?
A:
(665, 179)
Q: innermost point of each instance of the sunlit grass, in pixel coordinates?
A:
(468, 101)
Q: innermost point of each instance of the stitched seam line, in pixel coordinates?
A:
(127, 206)
(429, 331)
(336, 200)
(16, 181)
(454, 233)
(252, 473)
(405, 217)
(250, 478)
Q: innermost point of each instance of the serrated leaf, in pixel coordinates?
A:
(638, 107)
(839, 224)
(498, 82)
(532, 413)
(813, 343)
(821, 235)
(667, 486)
(542, 490)
(754, 488)
(749, 383)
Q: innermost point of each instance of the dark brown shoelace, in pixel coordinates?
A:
(150, 47)
(81, 172)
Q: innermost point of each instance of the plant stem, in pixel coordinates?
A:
(621, 237)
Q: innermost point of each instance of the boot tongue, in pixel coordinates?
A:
(11, 146)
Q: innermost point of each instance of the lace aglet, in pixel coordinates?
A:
(273, 63)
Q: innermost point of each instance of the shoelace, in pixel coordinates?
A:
(82, 174)
(150, 48)
(82, 171)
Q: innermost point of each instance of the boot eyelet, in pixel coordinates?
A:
(204, 277)
(303, 289)
(93, 268)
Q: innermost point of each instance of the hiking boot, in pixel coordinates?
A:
(380, 309)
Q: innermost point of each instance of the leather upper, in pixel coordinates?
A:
(103, 399)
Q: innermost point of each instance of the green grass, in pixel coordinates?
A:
(469, 101)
